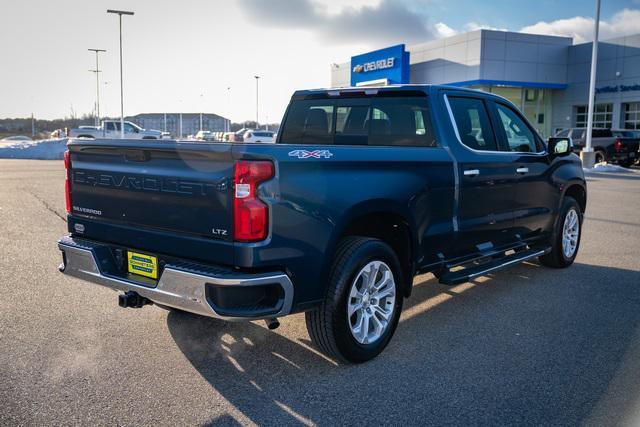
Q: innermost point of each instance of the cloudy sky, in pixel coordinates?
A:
(184, 55)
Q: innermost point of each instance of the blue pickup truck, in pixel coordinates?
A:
(363, 190)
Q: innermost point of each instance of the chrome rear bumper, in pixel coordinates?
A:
(181, 286)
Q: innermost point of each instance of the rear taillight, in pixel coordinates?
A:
(618, 145)
(67, 187)
(250, 214)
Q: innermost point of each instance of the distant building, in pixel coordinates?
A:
(546, 76)
(170, 122)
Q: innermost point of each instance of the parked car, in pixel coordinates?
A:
(239, 134)
(111, 129)
(204, 135)
(332, 220)
(609, 146)
(257, 135)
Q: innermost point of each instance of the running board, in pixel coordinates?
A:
(461, 276)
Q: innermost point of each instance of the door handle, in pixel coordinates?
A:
(522, 170)
(471, 172)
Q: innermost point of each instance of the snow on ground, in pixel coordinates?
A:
(608, 168)
(46, 149)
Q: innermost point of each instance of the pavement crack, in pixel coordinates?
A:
(47, 206)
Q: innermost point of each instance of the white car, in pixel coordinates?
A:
(111, 129)
(258, 135)
(205, 135)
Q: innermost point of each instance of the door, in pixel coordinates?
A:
(487, 178)
(110, 130)
(131, 131)
(535, 197)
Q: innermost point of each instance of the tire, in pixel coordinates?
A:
(625, 163)
(558, 258)
(601, 157)
(330, 327)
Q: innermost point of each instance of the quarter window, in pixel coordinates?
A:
(473, 124)
(518, 135)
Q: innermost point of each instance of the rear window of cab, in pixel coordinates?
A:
(384, 121)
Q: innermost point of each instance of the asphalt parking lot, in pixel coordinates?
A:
(530, 345)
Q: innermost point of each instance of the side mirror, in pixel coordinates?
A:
(557, 147)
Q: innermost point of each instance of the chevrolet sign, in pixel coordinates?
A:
(380, 64)
(390, 65)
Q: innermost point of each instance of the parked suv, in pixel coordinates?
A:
(364, 189)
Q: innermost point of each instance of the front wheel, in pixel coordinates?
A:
(362, 306)
(566, 238)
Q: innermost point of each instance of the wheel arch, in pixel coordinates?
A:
(385, 221)
(577, 191)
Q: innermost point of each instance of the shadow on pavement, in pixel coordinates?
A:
(529, 346)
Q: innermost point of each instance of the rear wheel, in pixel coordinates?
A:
(360, 312)
(566, 238)
(600, 156)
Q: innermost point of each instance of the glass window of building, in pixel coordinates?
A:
(602, 116)
(632, 115)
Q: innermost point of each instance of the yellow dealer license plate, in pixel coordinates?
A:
(142, 264)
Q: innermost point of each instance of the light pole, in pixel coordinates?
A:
(201, 109)
(120, 13)
(257, 125)
(228, 122)
(587, 155)
(97, 70)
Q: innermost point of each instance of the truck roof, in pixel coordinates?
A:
(426, 88)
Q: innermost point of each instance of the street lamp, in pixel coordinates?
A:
(120, 13)
(587, 155)
(257, 78)
(228, 122)
(97, 70)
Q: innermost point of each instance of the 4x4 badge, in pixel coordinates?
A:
(315, 154)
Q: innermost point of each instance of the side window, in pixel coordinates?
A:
(473, 124)
(308, 122)
(110, 126)
(401, 121)
(129, 129)
(517, 134)
(563, 133)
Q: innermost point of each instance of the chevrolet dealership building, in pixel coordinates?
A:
(546, 76)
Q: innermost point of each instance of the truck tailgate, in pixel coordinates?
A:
(168, 186)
